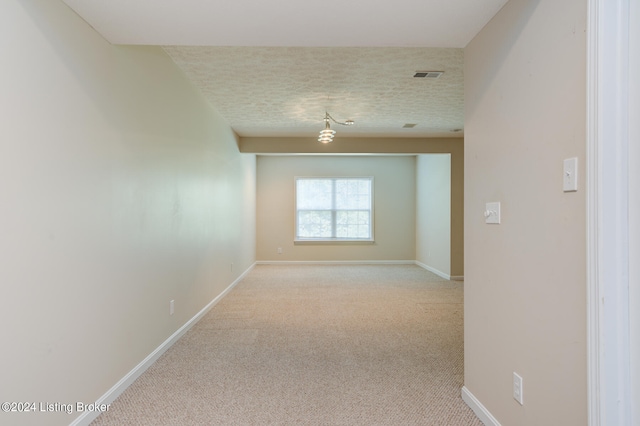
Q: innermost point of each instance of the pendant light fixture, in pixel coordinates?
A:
(327, 134)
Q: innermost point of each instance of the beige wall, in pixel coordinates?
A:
(525, 284)
(122, 189)
(394, 207)
(457, 210)
(433, 212)
(352, 145)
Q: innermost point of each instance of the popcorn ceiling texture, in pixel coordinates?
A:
(272, 91)
(313, 345)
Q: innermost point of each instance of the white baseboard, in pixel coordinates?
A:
(481, 411)
(457, 277)
(335, 262)
(434, 270)
(88, 416)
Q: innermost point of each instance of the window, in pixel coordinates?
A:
(334, 209)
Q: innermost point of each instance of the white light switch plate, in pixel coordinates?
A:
(570, 175)
(492, 213)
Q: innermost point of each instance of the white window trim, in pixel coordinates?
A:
(341, 241)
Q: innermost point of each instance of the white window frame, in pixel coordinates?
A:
(332, 240)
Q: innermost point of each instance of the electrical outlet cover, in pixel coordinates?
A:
(517, 388)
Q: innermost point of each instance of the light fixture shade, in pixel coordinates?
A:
(326, 137)
(326, 134)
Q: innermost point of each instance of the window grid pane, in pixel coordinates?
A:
(316, 194)
(352, 224)
(314, 224)
(353, 194)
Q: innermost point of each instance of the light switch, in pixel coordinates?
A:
(570, 175)
(492, 213)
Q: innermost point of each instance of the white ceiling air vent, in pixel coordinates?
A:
(428, 74)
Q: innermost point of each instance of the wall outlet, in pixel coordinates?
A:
(517, 388)
(171, 307)
(279, 250)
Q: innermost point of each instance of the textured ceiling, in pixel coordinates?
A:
(272, 67)
(278, 91)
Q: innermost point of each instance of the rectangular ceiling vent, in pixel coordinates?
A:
(409, 126)
(428, 74)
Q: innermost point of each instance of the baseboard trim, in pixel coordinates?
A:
(457, 277)
(434, 270)
(481, 411)
(335, 262)
(88, 416)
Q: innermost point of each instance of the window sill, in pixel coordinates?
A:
(339, 241)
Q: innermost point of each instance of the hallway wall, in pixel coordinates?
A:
(122, 189)
(525, 279)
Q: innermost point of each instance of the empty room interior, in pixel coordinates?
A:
(156, 159)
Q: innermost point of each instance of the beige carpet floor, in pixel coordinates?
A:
(313, 345)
